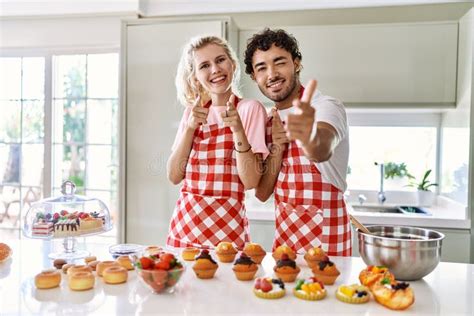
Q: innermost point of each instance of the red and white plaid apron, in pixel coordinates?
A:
(309, 211)
(210, 206)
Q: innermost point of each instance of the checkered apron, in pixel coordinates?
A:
(210, 206)
(309, 211)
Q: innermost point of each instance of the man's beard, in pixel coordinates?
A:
(282, 95)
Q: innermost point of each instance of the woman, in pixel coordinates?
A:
(218, 148)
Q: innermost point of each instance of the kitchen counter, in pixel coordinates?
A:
(447, 290)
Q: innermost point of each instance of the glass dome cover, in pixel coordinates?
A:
(68, 215)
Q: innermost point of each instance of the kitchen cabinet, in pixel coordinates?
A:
(364, 65)
(151, 49)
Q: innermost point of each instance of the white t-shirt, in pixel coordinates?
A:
(331, 111)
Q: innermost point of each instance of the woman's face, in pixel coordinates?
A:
(214, 69)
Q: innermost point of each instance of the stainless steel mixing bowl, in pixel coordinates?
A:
(409, 252)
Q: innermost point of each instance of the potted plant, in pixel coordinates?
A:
(396, 173)
(424, 195)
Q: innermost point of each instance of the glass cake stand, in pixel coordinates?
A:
(67, 217)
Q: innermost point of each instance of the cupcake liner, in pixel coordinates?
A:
(310, 296)
(269, 295)
(245, 275)
(205, 273)
(226, 258)
(352, 300)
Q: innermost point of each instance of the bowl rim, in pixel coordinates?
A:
(441, 235)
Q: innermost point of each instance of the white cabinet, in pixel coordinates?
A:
(151, 50)
(377, 64)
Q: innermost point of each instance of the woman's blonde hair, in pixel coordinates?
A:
(185, 81)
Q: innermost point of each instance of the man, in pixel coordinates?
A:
(308, 138)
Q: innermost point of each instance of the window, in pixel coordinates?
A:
(82, 116)
(414, 146)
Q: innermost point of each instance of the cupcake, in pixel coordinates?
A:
(225, 252)
(372, 274)
(286, 269)
(353, 294)
(244, 268)
(279, 251)
(269, 288)
(314, 256)
(310, 289)
(255, 252)
(205, 267)
(189, 253)
(326, 271)
(392, 294)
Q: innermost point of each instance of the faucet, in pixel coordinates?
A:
(381, 194)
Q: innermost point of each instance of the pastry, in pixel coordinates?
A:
(78, 268)
(279, 251)
(125, 262)
(353, 294)
(326, 271)
(67, 227)
(58, 263)
(205, 267)
(93, 264)
(286, 269)
(66, 267)
(89, 259)
(5, 252)
(392, 294)
(314, 256)
(42, 228)
(115, 275)
(225, 252)
(48, 279)
(101, 266)
(189, 253)
(310, 289)
(153, 250)
(269, 288)
(244, 268)
(255, 252)
(89, 225)
(373, 274)
(81, 281)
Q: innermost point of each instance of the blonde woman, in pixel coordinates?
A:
(218, 149)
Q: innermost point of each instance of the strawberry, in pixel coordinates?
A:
(168, 257)
(63, 213)
(162, 265)
(56, 216)
(257, 284)
(146, 263)
(265, 286)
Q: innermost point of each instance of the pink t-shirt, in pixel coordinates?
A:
(253, 117)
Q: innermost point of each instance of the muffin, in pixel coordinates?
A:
(205, 267)
(314, 256)
(372, 274)
(279, 251)
(244, 268)
(189, 253)
(326, 272)
(310, 289)
(353, 294)
(255, 252)
(269, 288)
(392, 294)
(286, 269)
(225, 252)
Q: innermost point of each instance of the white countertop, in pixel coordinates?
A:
(447, 290)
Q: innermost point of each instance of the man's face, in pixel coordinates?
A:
(274, 71)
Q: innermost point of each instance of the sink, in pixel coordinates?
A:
(376, 208)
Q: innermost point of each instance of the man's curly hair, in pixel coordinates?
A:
(265, 39)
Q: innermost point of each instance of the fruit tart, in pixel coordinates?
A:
(286, 269)
(225, 252)
(326, 271)
(392, 294)
(269, 288)
(310, 289)
(314, 256)
(244, 268)
(205, 267)
(255, 251)
(353, 294)
(372, 274)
